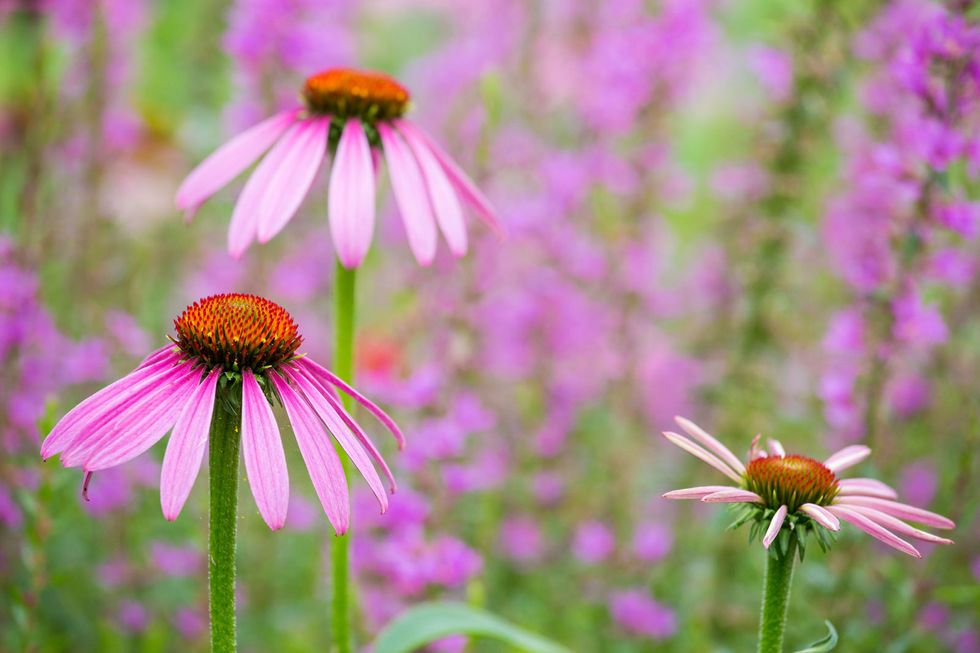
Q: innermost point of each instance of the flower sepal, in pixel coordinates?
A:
(796, 525)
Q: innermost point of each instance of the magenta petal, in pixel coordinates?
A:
(351, 199)
(445, 204)
(293, 179)
(875, 530)
(182, 461)
(229, 160)
(245, 218)
(265, 462)
(774, 526)
(321, 459)
(410, 193)
(459, 179)
(900, 510)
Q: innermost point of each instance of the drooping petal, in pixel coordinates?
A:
(847, 457)
(318, 453)
(732, 495)
(293, 179)
(696, 492)
(698, 452)
(821, 515)
(867, 487)
(325, 375)
(900, 510)
(411, 194)
(449, 215)
(776, 448)
(229, 160)
(470, 193)
(182, 460)
(711, 443)
(351, 199)
(874, 530)
(774, 526)
(245, 218)
(265, 462)
(898, 526)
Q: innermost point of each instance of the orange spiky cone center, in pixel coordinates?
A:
(237, 331)
(791, 481)
(345, 93)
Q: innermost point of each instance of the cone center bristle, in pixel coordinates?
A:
(346, 93)
(791, 481)
(237, 331)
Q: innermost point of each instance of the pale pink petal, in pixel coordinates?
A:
(265, 462)
(292, 181)
(351, 199)
(821, 515)
(732, 495)
(696, 492)
(847, 457)
(459, 179)
(325, 375)
(700, 453)
(411, 195)
(755, 451)
(245, 217)
(875, 530)
(711, 443)
(318, 453)
(182, 460)
(900, 510)
(328, 415)
(867, 487)
(229, 160)
(449, 215)
(774, 526)
(898, 526)
(776, 448)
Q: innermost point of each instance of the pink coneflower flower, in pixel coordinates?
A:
(230, 350)
(794, 494)
(358, 117)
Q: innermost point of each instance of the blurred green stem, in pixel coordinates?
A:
(775, 599)
(223, 471)
(343, 363)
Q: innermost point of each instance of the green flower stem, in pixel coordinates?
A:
(343, 366)
(223, 472)
(775, 599)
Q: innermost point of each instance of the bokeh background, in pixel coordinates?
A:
(758, 214)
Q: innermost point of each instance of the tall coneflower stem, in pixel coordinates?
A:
(775, 599)
(223, 447)
(343, 363)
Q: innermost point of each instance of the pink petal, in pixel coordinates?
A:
(898, 526)
(328, 415)
(165, 352)
(293, 179)
(874, 530)
(410, 192)
(847, 457)
(245, 218)
(182, 461)
(700, 453)
(351, 199)
(776, 447)
(321, 459)
(449, 215)
(711, 443)
(867, 487)
(732, 495)
(325, 375)
(229, 160)
(900, 510)
(459, 179)
(696, 492)
(265, 462)
(821, 515)
(774, 526)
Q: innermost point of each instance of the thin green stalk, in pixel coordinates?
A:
(775, 599)
(343, 366)
(223, 471)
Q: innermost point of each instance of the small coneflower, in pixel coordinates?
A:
(358, 116)
(233, 354)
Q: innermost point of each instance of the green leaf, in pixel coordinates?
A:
(428, 622)
(826, 644)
